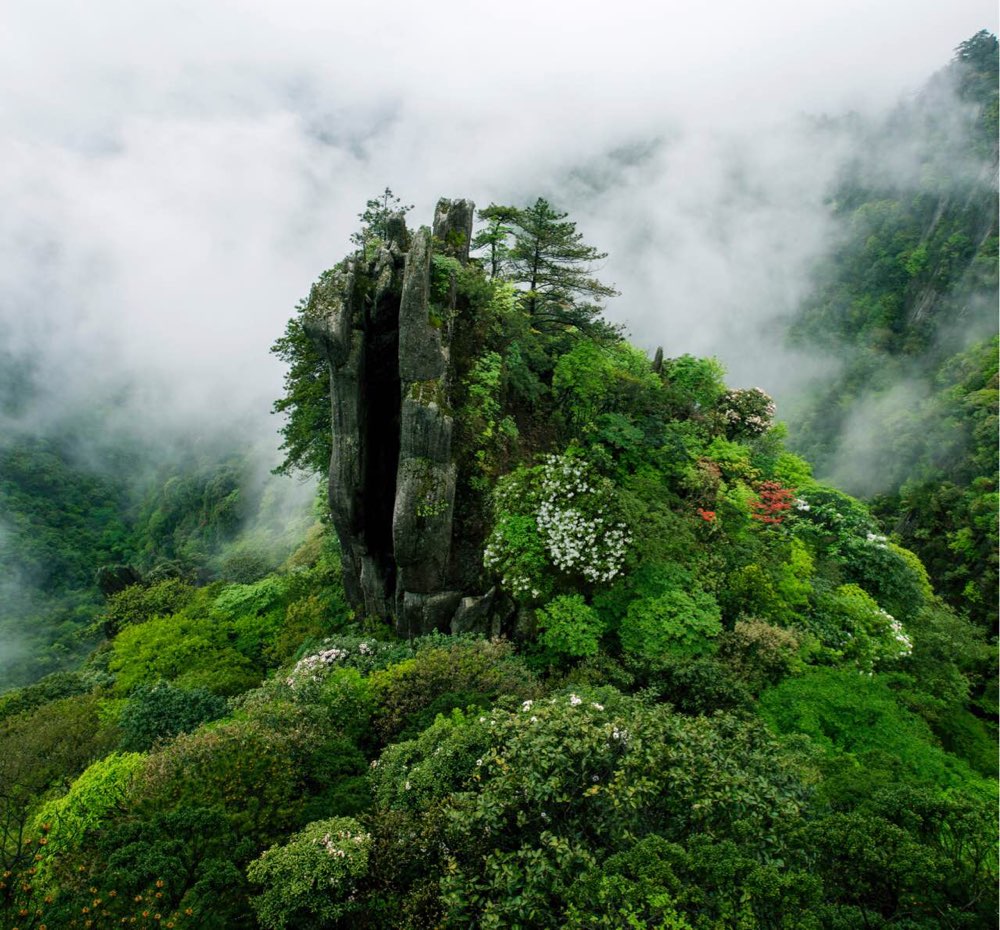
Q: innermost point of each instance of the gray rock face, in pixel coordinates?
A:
(392, 472)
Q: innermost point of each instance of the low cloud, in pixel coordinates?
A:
(177, 174)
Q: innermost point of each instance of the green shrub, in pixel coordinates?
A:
(843, 711)
(190, 652)
(251, 772)
(98, 792)
(139, 603)
(161, 711)
(478, 666)
(570, 627)
(310, 881)
(759, 653)
(673, 623)
(853, 626)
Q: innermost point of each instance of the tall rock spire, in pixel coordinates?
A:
(392, 470)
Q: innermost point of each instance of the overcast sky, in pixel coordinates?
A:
(176, 174)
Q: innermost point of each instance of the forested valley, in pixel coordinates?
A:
(582, 636)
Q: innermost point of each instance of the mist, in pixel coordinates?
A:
(177, 174)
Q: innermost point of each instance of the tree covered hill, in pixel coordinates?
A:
(578, 641)
(721, 696)
(909, 301)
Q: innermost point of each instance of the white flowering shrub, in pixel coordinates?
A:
(747, 412)
(311, 880)
(843, 528)
(557, 518)
(852, 626)
(363, 653)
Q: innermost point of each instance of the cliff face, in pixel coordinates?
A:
(393, 472)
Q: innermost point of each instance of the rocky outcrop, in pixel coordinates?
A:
(392, 471)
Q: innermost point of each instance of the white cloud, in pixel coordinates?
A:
(177, 173)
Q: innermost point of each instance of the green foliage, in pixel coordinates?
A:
(41, 751)
(479, 667)
(572, 776)
(139, 603)
(694, 385)
(182, 864)
(252, 772)
(61, 520)
(677, 622)
(417, 774)
(96, 794)
(50, 688)
(193, 507)
(851, 624)
(305, 404)
(759, 653)
(190, 652)
(161, 711)
(244, 567)
(555, 522)
(310, 880)
(594, 379)
(845, 712)
(570, 628)
(482, 417)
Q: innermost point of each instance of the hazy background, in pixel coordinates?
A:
(176, 174)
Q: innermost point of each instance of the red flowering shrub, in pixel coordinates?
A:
(772, 502)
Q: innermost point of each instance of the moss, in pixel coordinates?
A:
(429, 392)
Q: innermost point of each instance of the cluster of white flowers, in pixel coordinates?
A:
(575, 539)
(876, 540)
(334, 843)
(802, 504)
(619, 735)
(311, 667)
(575, 699)
(519, 584)
(899, 634)
(575, 530)
(751, 410)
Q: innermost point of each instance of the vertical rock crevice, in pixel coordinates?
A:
(392, 472)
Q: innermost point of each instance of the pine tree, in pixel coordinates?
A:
(551, 260)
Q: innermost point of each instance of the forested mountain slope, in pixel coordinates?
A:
(713, 691)
(908, 301)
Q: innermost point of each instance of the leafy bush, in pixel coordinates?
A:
(416, 774)
(845, 712)
(759, 653)
(244, 567)
(569, 777)
(98, 792)
(190, 652)
(478, 666)
(251, 772)
(50, 688)
(311, 880)
(853, 626)
(676, 622)
(559, 520)
(570, 628)
(161, 711)
(139, 603)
